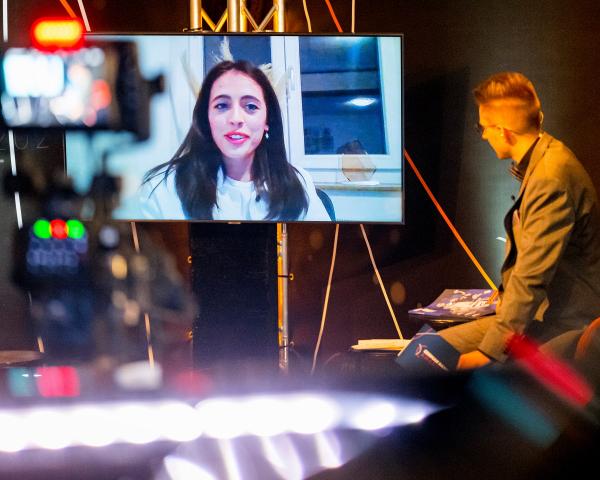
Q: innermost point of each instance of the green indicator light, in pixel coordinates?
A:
(41, 229)
(75, 229)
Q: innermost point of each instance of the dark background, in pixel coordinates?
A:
(450, 46)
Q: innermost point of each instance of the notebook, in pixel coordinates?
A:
(428, 352)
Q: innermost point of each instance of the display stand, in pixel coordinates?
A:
(239, 272)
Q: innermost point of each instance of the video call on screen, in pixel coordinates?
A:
(341, 107)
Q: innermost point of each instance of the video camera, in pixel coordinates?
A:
(96, 87)
(78, 272)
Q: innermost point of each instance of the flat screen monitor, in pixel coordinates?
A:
(261, 128)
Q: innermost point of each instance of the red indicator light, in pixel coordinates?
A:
(57, 33)
(57, 382)
(59, 229)
(101, 96)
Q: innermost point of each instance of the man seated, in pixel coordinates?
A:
(551, 272)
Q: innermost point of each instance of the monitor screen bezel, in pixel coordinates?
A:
(92, 36)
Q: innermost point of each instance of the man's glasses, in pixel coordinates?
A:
(479, 128)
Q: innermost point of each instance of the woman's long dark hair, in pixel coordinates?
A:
(197, 161)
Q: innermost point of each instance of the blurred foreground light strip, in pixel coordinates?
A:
(264, 416)
(182, 469)
(97, 424)
(307, 413)
(552, 372)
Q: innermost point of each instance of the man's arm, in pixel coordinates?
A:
(546, 225)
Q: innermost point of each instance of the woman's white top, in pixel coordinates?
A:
(236, 200)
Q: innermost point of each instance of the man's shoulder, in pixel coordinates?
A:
(557, 150)
(558, 169)
(558, 161)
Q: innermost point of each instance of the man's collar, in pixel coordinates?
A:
(519, 167)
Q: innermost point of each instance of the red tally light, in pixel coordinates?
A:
(59, 230)
(191, 382)
(101, 96)
(57, 382)
(57, 33)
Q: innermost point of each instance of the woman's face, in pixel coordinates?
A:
(237, 114)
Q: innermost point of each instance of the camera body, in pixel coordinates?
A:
(96, 87)
(88, 289)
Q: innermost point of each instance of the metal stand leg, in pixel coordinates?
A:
(284, 277)
(196, 15)
(238, 17)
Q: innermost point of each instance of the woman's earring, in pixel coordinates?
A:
(266, 134)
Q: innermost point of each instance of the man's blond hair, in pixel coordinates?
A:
(514, 91)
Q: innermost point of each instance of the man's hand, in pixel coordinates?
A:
(470, 360)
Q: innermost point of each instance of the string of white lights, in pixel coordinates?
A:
(326, 302)
(99, 424)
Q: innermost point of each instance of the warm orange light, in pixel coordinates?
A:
(57, 33)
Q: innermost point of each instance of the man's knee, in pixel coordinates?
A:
(467, 336)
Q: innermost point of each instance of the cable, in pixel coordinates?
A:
(84, 16)
(136, 243)
(326, 302)
(11, 138)
(448, 222)
(150, 349)
(332, 13)
(13, 165)
(431, 196)
(68, 8)
(307, 16)
(380, 281)
(5, 20)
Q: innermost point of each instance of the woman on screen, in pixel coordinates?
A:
(232, 165)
